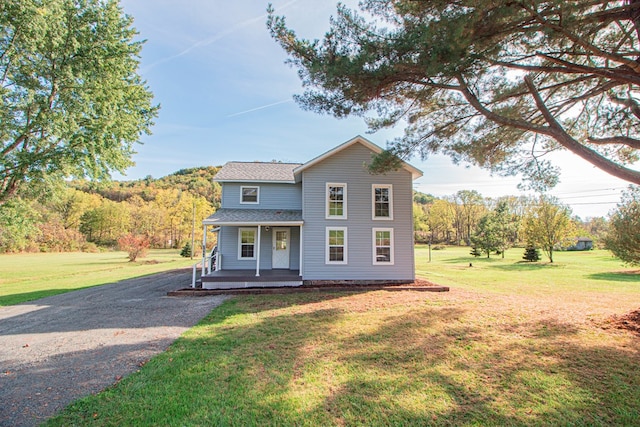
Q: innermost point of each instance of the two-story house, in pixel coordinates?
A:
(325, 221)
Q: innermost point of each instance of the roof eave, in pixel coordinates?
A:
(253, 223)
(415, 172)
(255, 181)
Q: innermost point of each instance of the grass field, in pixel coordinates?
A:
(510, 344)
(25, 277)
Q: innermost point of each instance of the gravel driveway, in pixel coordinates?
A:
(57, 349)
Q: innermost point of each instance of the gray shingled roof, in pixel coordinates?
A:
(257, 171)
(224, 216)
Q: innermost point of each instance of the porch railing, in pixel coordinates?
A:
(207, 265)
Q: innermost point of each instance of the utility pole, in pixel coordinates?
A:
(193, 229)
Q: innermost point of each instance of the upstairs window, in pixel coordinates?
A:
(336, 199)
(382, 196)
(250, 195)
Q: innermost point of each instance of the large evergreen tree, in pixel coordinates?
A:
(71, 101)
(498, 84)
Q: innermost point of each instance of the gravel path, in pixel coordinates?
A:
(58, 349)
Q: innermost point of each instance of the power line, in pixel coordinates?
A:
(586, 197)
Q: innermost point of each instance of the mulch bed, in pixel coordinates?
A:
(420, 285)
(629, 322)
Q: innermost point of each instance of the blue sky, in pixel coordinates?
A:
(226, 94)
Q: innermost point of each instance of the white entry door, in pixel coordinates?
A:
(280, 254)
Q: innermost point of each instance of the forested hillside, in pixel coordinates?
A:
(83, 215)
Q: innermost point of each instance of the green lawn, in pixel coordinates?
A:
(510, 344)
(25, 277)
(587, 271)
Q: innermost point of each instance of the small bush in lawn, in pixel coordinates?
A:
(531, 254)
(186, 250)
(475, 252)
(135, 245)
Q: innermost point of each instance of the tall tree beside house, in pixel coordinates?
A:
(496, 84)
(623, 237)
(548, 225)
(72, 101)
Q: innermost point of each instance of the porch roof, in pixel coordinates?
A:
(226, 216)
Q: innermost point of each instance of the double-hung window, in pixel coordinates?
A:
(336, 201)
(249, 194)
(336, 245)
(247, 243)
(382, 198)
(383, 246)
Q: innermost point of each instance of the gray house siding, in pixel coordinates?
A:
(228, 246)
(272, 196)
(349, 166)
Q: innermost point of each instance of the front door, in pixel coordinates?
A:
(280, 254)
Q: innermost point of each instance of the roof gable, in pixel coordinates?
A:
(257, 172)
(415, 173)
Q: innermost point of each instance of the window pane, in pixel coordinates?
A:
(383, 254)
(336, 253)
(335, 208)
(381, 203)
(382, 195)
(335, 203)
(281, 240)
(247, 251)
(248, 237)
(383, 238)
(382, 209)
(336, 238)
(250, 194)
(336, 193)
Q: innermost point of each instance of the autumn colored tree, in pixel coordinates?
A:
(548, 225)
(623, 237)
(469, 210)
(135, 245)
(440, 219)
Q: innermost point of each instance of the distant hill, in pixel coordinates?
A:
(198, 181)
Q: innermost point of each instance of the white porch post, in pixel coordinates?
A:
(258, 252)
(204, 248)
(301, 240)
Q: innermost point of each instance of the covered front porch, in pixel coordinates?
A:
(235, 279)
(255, 248)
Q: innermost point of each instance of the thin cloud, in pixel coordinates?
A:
(284, 101)
(210, 40)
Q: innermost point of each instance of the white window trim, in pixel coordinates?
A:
(255, 242)
(374, 246)
(346, 246)
(344, 200)
(373, 202)
(257, 187)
